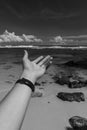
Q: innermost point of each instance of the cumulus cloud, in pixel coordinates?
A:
(57, 39)
(69, 40)
(30, 38)
(12, 37)
(25, 39)
(78, 38)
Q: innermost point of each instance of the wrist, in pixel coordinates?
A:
(26, 74)
(27, 83)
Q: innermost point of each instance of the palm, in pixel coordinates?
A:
(36, 67)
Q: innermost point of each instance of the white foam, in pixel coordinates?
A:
(43, 47)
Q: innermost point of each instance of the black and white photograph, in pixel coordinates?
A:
(43, 65)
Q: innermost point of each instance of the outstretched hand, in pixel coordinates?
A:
(36, 68)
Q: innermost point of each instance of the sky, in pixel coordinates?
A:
(44, 17)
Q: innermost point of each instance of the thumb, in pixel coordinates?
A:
(25, 55)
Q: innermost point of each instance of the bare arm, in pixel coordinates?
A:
(13, 107)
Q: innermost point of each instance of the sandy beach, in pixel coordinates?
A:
(46, 111)
(49, 112)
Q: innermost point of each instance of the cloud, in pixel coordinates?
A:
(75, 37)
(61, 40)
(31, 38)
(12, 37)
(65, 39)
(57, 39)
(69, 40)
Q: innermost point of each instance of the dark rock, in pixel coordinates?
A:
(76, 96)
(71, 63)
(37, 84)
(37, 94)
(77, 84)
(61, 79)
(78, 123)
(43, 82)
(72, 80)
(82, 63)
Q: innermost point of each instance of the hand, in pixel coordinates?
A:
(35, 69)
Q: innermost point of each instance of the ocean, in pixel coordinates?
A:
(58, 54)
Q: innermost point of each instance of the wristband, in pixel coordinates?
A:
(26, 82)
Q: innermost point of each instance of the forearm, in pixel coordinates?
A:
(13, 107)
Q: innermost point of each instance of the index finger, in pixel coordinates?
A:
(38, 59)
(46, 59)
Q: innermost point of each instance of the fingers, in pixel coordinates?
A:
(46, 64)
(38, 59)
(45, 61)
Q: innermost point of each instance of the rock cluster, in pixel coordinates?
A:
(78, 123)
(71, 81)
(62, 80)
(76, 96)
(77, 84)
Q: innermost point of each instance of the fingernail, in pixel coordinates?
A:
(48, 55)
(25, 51)
(51, 57)
(50, 62)
(43, 66)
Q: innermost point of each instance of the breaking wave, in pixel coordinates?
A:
(44, 47)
